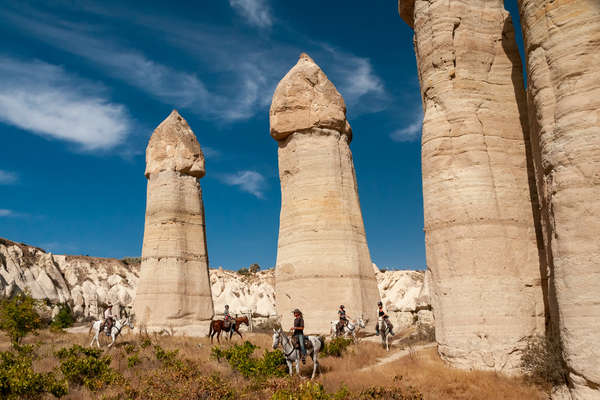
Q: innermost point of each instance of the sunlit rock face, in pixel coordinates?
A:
(174, 286)
(322, 258)
(480, 234)
(562, 47)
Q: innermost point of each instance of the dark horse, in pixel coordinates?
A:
(218, 326)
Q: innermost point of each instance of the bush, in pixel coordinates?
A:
(254, 268)
(87, 367)
(131, 260)
(64, 319)
(133, 360)
(304, 391)
(542, 361)
(243, 271)
(240, 359)
(18, 380)
(18, 317)
(168, 358)
(336, 346)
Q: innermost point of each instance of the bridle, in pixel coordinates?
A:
(282, 334)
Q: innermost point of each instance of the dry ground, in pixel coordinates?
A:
(422, 370)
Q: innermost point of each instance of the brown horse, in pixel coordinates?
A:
(217, 326)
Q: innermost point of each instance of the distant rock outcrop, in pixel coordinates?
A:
(322, 256)
(174, 287)
(479, 228)
(562, 47)
(88, 284)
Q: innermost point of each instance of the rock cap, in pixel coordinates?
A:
(174, 147)
(305, 98)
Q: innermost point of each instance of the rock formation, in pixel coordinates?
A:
(174, 287)
(562, 47)
(322, 256)
(479, 229)
(88, 284)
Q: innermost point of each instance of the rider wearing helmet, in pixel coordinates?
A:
(343, 319)
(298, 332)
(382, 314)
(226, 317)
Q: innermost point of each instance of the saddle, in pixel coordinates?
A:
(307, 343)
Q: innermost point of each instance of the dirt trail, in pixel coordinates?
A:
(396, 356)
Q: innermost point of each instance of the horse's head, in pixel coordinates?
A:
(276, 337)
(361, 323)
(243, 320)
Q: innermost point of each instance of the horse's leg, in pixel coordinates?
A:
(238, 332)
(289, 363)
(219, 337)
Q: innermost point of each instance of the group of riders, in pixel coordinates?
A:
(297, 329)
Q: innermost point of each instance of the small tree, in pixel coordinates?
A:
(64, 318)
(18, 317)
(254, 268)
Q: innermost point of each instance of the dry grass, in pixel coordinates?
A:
(422, 370)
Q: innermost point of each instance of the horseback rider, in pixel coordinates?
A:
(226, 317)
(343, 319)
(108, 320)
(386, 318)
(298, 332)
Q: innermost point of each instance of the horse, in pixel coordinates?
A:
(349, 329)
(115, 331)
(384, 332)
(292, 354)
(218, 325)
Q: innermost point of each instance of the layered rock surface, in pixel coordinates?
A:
(562, 47)
(88, 284)
(174, 287)
(322, 256)
(479, 229)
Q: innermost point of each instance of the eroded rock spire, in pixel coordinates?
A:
(322, 257)
(174, 287)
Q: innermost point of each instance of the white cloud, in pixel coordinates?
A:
(5, 213)
(256, 12)
(7, 178)
(248, 181)
(44, 99)
(211, 152)
(411, 132)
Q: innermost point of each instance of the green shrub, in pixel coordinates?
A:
(131, 260)
(240, 359)
(18, 317)
(542, 361)
(129, 348)
(64, 319)
(168, 358)
(146, 342)
(254, 268)
(243, 271)
(336, 346)
(304, 391)
(18, 380)
(87, 367)
(133, 360)
(385, 393)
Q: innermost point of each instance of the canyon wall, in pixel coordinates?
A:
(562, 48)
(481, 240)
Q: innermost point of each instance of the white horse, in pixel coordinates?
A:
(384, 332)
(292, 354)
(349, 330)
(115, 331)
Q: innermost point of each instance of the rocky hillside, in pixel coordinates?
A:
(87, 284)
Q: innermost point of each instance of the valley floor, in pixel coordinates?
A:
(365, 370)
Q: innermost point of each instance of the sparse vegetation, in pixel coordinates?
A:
(240, 359)
(87, 367)
(64, 319)
(131, 260)
(254, 268)
(542, 361)
(18, 317)
(336, 346)
(268, 325)
(243, 271)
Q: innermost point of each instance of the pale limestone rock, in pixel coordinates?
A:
(479, 227)
(562, 47)
(253, 294)
(174, 287)
(322, 257)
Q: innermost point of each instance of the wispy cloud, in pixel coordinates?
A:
(411, 132)
(256, 12)
(7, 177)
(211, 152)
(248, 181)
(11, 213)
(44, 99)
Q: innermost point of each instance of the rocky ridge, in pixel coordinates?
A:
(87, 284)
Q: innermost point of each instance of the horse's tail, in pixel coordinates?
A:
(210, 329)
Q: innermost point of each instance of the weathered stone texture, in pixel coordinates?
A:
(562, 47)
(174, 286)
(479, 229)
(322, 259)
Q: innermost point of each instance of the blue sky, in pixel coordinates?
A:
(83, 84)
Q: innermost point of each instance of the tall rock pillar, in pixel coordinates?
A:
(562, 47)
(481, 243)
(174, 286)
(322, 256)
